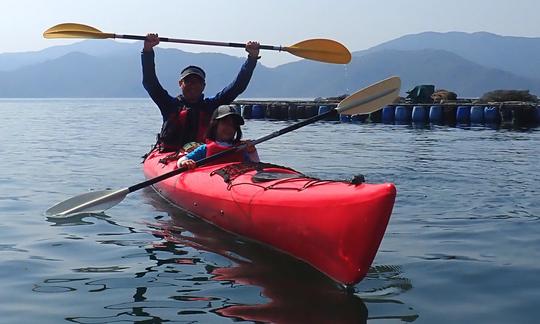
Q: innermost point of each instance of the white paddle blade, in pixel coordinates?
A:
(87, 203)
(371, 98)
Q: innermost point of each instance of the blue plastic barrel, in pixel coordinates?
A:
(324, 109)
(269, 112)
(463, 115)
(311, 111)
(246, 111)
(272, 112)
(258, 112)
(300, 112)
(402, 115)
(376, 116)
(277, 112)
(388, 113)
(477, 115)
(345, 118)
(449, 113)
(292, 112)
(436, 114)
(491, 115)
(359, 118)
(507, 114)
(284, 112)
(419, 114)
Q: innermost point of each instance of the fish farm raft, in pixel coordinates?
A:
(513, 114)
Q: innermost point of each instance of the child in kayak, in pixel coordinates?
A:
(223, 133)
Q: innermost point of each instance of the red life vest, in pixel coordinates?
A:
(204, 122)
(214, 148)
(181, 128)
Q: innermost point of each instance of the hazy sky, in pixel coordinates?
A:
(357, 24)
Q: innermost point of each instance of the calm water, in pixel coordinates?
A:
(462, 246)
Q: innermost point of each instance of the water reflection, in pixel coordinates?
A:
(296, 293)
(380, 290)
(74, 220)
(237, 279)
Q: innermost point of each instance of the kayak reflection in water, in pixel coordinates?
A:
(223, 133)
(293, 291)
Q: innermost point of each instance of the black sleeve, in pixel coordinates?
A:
(151, 83)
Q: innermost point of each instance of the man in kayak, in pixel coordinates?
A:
(186, 117)
(223, 133)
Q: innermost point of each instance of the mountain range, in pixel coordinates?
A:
(469, 64)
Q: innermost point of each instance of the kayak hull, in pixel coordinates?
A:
(334, 226)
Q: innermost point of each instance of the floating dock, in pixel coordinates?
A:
(518, 114)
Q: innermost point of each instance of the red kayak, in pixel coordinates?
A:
(335, 226)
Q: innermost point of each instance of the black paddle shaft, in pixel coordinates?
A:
(214, 157)
(198, 42)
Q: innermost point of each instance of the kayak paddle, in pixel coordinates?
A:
(364, 101)
(324, 50)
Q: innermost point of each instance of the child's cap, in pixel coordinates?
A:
(226, 110)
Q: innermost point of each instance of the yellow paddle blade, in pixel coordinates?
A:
(371, 98)
(324, 50)
(73, 30)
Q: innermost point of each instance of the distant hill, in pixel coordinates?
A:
(442, 68)
(108, 68)
(73, 75)
(99, 48)
(518, 55)
(81, 75)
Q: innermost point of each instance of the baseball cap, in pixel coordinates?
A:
(192, 69)
(227, 110)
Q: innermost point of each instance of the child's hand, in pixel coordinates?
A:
(189, 164)
(250, 147)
